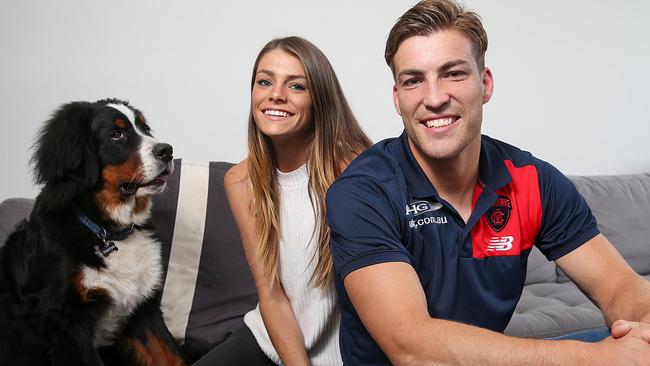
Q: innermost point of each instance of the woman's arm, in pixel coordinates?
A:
(276, 310)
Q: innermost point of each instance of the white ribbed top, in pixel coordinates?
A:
(316, 309)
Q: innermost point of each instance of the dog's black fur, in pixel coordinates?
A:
(89, 160)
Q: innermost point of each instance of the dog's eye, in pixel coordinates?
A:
(117, 135)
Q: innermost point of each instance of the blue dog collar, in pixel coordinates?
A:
(107, 246)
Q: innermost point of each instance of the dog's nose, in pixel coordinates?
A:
(164, 152)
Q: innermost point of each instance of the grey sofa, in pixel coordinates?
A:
(209, 296)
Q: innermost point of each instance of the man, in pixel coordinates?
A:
(430, 231)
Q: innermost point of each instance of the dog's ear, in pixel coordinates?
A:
(65, 159)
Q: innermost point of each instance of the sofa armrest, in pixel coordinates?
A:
(12, 211)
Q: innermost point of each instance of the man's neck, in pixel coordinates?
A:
(454, 179)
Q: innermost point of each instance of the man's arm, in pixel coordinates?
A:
(604, 276)
(391, 303)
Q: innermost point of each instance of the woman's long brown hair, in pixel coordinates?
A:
(335, 140)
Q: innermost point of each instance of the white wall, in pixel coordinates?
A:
(571, 76)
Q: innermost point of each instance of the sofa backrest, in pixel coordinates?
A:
(621, 205)
(12, 211)
(540, 269)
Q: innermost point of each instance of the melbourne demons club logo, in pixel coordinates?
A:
(498, 215)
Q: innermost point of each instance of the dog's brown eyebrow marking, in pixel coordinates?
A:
(120, 123)
(141, 119)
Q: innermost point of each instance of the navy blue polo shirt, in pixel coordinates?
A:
(384, 209)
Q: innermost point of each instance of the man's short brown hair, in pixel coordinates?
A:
(430, 16)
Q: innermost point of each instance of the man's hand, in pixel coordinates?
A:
(633, 349)
(622, 327)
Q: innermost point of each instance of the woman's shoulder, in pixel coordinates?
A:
(237, 175)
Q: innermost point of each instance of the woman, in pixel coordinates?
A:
(301, 135)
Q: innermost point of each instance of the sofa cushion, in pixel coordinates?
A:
(208, 287)
(548, 310)
(551, 309)
(621, 205)
(12, 211)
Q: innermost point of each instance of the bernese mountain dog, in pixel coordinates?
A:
(80, 280)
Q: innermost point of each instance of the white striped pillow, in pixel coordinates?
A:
(208, 287)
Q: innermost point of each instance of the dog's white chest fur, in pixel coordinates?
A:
(132, 275)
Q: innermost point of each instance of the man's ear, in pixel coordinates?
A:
(488, 84)
(64, 154)
(396, 100)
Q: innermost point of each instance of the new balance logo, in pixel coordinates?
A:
(500, 243)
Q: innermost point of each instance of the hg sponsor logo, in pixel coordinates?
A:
(420, 207)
